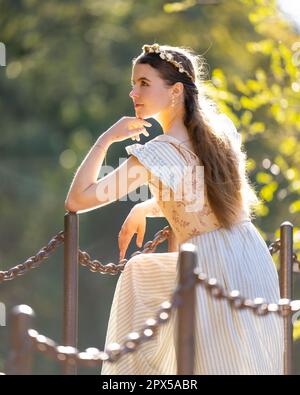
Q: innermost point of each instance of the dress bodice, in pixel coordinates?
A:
(178, 185)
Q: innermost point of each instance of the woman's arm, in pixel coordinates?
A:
(151, 208)
(86, 192)
(89, 169)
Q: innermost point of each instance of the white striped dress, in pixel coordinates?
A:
(227, 341)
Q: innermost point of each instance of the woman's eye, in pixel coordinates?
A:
(143, 82)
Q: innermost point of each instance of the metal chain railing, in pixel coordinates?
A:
(112, 268)
(25, 340)
(34, 261)
(84, 258)
(275, 247)
(96, 266)
(258, 305)
(70, 355)
(94, 357)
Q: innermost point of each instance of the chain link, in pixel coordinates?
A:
(296, 261)
(34, 261)
(84, 258)
(275, 247)
(96, 266)
(111, 268)
(258, 305)
(114, 351)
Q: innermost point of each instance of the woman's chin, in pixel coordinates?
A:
(138, 109)
(140, 112)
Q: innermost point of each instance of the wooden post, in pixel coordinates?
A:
(186, 310)
(71, 247)
(20, 353)
(286, 288)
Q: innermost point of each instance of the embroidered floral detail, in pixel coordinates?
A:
(185, 223)
(194, 232)
(206, 210)
(178, 220)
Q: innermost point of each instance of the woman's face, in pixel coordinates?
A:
(149, 90)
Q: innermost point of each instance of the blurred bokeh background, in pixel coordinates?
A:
(67, 79)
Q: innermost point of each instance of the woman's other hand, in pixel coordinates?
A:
(134, 223)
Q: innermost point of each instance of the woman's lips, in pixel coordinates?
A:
(138, 105)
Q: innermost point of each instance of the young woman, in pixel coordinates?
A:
(215, 217)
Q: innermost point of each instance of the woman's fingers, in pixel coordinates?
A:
(144, 122)
(136, 136)
(137, 127)
(140, 235)
(123, 250)
(124, 240)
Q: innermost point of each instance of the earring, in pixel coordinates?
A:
(173, 102)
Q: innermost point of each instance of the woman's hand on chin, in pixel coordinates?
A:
(127, 127)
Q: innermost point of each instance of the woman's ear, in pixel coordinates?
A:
(178, 89)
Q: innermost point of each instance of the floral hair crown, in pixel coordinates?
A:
(166, 56)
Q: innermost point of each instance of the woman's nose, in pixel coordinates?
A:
(132, 93)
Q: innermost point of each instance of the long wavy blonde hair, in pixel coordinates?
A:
(228, 187)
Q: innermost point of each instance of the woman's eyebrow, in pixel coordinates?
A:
(142, 78)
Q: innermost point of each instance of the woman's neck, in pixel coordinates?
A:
(176, 129)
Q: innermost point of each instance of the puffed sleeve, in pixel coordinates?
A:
(161, 159)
